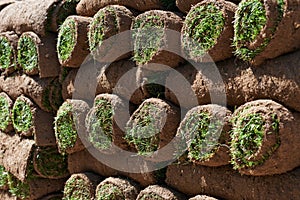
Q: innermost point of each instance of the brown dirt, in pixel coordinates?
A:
(15, 154)
(277, 79)
(223, 47)
(202, 197)
(13, 40)
(217, 113)
(90, 7)
(81, 47)
(128, 188)
(68, 87)
(225, 183)
(185, 5)
(55, 94)
(162, 191)
(48, 65)
(9, 127)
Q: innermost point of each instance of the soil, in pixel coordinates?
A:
(68, 87)
(162, 191)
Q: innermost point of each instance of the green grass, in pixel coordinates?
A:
(65, 130)
(50, 163)
(151, 196)
(147, 36)
(5, 118)
(21, 116)
(18, 188)
(109, 192)
(3, 177)
(66, 39)
(6, 53)
(204, 25)
(27, 53)
(247, 137)
(76, 189)
(143, 133)
(100, 125)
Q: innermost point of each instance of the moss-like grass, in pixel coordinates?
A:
(21, 116)
(203, 26)
(27, 53)
(151, 196)
(66, 39)
(250, 19)
(76, 189)
(109, 192)
(5, 118)
(6, 53)
(50, 163)
(143, 133)
(147, 36)
(18, 188)
(247, 138)
(100, 125)
(3, 178)
(64, 127)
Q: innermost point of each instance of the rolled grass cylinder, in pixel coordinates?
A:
(49, 163)
(90, 8)
(160, 193)
(3, 179)
(72, 42)
(8, 52)
(107, 22)
(277, 79)
(202, 197)
(6, 105)
(263, 138)
(116, 188)
(37, 55)
(68, 124)
(260, 26)
(208, 31)
(29, 120)
(150, 38)
(151, 127)
(225, 183)
(205, 132)
(81, 186)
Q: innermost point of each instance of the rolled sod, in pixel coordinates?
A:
(6, 105)
(107, 22)
(264, 138)
(3, 178)
(39, 17)
(150, 38)
(8, 52)
(72, 42)
(49, 163)
(37, 55)
(277, 79)
(117, 188)
(160, 192)
(106, 121)
(260, 26)
(205, 132)
(207, 32)
(202, 197)
(81, 186)
(225, 183)
(68, 124)
(90, 7)
(151, 127)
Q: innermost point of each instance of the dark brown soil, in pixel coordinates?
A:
(163, 192)
(55, 94)
(223, 182)
(68, 87)
(277, 79)
(13, 40)
(9, 127)
(52, 196)
(185, 5)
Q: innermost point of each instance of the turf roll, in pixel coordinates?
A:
(3, 178)
(72, 42)
(81, 186)
(8, 52)
(205, 132)
(202, 197)
(160, 192)
(276, 79)
(90, 7)
(37, 55)
(208, 31)
(150, 37)
(117, 188)
(68, 124)
(259, 28)
(6, 105)
(29, 120)
(264, 138)
(151, 127)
